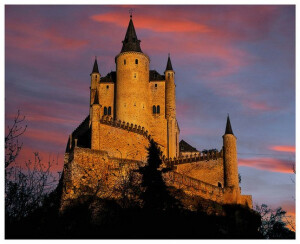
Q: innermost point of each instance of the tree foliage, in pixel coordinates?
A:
(155, 196)
(273, 225)
(12, 144)
(26, 183)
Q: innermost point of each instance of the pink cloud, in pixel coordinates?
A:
(33, 36)
(41, 136)
(159, 24)
(269, 164)
(283, 148)
(255, 105)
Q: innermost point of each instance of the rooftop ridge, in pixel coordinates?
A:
(84, 121)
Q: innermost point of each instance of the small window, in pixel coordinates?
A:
(124, 61)
(134, 75)
(155, 85)
(107, 87)
(169, 75)
(105, 110)
(219, 184)
(158, 109)
(136, 61)
(109, 110)
(154, 109)
(96, 76)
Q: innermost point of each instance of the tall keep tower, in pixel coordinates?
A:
(170, 96)
(132, 84)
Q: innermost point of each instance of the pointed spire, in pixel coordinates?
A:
(169, 64)
(96, 99)
(95, 68)
(131, 42)
(228, 129)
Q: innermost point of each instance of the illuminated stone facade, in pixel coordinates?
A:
(127, 108)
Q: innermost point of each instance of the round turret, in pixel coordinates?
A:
(170, 91)
(231, 178)
(132, 88)
(132, 85)
(95, 79)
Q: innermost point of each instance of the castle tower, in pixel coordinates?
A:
(132, 84)
(171, 110)
(231, 178)
(95, 123)
(95, 79)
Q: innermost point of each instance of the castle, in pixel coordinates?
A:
(128, 107)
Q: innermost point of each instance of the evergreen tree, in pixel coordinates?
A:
(155, 196)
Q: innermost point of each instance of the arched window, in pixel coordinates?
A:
(169, 75)
(154, 109)
(136, 61)
(107, 87)
(109, 110)
(158, 109)
(124, 61)
(219, 184)
(155, 85)
(96, 76)
(105, 110)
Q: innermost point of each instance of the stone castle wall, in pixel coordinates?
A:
(196, 187)
(211, 171)
(90, 172)
(123, 143)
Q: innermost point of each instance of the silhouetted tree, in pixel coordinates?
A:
(155, 196)
(273, 225)
(12, 144)
(26, 183)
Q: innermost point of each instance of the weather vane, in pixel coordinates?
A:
(131, 11)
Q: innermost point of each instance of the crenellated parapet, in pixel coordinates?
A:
(196, 157)
(108, 120)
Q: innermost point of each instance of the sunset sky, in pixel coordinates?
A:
(228, 59)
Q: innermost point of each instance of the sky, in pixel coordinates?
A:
(236, 60)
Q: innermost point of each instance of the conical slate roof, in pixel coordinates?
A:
(169, 64)
(131, 42)
(228, 129)
(95, 68)
(185, 147)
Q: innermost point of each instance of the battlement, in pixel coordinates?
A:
(108, 120)
(196, 157)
